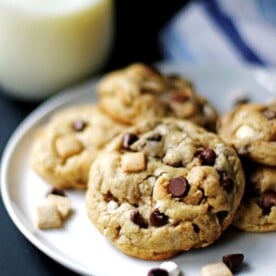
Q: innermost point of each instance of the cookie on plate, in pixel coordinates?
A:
(138, 91)
(257, 212)
(65, 147)
(164, 186)
(251, 129)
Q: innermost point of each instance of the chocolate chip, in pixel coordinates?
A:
(198, 152)
(56, 191)
(157, 218)
(110, 197)
(226, 182)
(233, 261)
(221, 215)
(173, 76)
(195, 228)
(158, 272)
(241, 101)
(244, 150)
(268, 200)
(156, 137)
(179, 97)
(207, 157)
(79, 125)
(137, 219)
(175, 164)
(128, 140)
(269, 114)
(179, 186)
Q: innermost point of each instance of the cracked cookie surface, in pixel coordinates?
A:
(138, 91)
(257, 212)
(162, 187)
(65, 147)
(251, 129)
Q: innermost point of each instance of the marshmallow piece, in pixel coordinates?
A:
(171, 267)
(48, 217)
(68, 146)
(62, 203)
(245, 132)
(112, 206)
(134, 162)
(216, 269)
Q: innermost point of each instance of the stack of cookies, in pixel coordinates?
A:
(158, 180)
(251, 129)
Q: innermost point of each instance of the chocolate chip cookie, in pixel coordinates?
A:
(162, 187)
(251, 129)
(66, 146)
(129, 95)
(257, 212)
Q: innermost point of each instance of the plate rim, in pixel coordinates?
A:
(50, 105)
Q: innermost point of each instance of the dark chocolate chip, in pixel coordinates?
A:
(226, 182)
(173, 76)
(179, 186)
(221, 215)
(198, 152)
(156, 137)
(137, 219)
(244, 150)
(207, 157)
(179, 97)
(128, 140)
(110, 197)
(269, 114)
(268, 200)
(158, 272)
(79, 125)
(56, 191)
(157, 218)
(233, 261)
(175, 164)
(196, 228)
(241, 101)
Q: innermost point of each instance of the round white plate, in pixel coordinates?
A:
(78, 245)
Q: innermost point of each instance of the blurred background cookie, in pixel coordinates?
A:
(66, 146)
(138, 91)
(251, 130)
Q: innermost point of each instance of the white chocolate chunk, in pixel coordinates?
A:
(171, 267)
(62, 203)
(216, 269)
(68, 146)
(245, 132)
(134, 162)
(47, 217)
(112, 206)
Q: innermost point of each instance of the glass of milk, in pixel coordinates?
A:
(46, 45)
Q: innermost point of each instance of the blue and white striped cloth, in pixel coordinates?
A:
(234, 32)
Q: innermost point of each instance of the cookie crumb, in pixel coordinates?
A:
(53, 212)
(62, 203)
(48, 217)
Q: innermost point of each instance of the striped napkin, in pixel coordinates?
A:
(234, 32)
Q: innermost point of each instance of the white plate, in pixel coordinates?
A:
(78, 245)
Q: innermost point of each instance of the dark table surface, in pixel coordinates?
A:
(133, 42)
